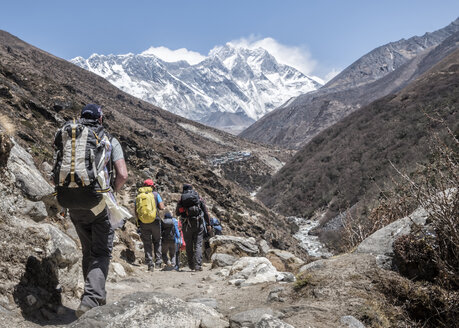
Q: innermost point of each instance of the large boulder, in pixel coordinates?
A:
(145, 309)
(381, 242)
(236, 246)
(27, 177)
(284, 261)
(255, 270)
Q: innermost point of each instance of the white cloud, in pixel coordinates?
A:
(295, 56)
(168, 55)
(330, 75)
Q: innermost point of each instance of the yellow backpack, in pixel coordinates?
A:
(145, 205)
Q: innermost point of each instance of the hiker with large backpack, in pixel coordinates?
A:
(170, 240)
(195, 220)
(84, 152)
(147, 205)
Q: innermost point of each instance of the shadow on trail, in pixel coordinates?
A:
(38, 294)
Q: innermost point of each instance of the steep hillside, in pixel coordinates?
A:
(38, 92)
(379, 73)
(348, 163)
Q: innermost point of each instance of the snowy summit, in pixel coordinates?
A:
(229, 89)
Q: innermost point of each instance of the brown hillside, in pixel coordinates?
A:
(348, 163)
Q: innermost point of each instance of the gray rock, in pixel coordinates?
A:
(222, 260)
(144, 310)
(286, 277)
(250, 318)
(288, 261)
(234, 245)
(253, 270)
(268, 321)
(264, 247)
(210, 302)
(349, 321)
(118, 269)
(316, 265)
(27, 176)
(60, 246)
(35, 210)
(381, 242)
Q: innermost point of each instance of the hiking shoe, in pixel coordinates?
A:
(151, 267)
(82, 309)
(199, 268)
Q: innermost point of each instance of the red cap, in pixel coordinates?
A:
(149, 183)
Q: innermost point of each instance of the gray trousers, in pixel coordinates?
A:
(96, 237)
(169, 248)
(150, 233)
(193, 233)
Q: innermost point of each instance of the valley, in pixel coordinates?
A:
(339, 208)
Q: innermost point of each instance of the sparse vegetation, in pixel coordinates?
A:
(303, 280)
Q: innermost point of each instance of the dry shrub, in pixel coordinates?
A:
(425, 304)
(391, 207)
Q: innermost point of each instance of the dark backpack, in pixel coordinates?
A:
(82, 151)
(191, 203)
(167, 229)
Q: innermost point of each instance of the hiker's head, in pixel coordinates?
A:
(149, 183)
(93, 112)
(187, 186)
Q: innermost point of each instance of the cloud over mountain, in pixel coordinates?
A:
(169, 55)
(298, 57)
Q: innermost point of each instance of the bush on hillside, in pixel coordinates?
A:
(430, 254)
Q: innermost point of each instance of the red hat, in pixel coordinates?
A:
(149, 183)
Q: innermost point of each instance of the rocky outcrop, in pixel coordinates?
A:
(27, 177)
(284, 261)
(255, 270)
(380, 243)
(237, 246)
(152, 310)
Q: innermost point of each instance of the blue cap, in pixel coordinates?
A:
(91, 111)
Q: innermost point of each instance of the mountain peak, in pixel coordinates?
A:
(232, 78)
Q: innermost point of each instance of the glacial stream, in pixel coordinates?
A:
(309, 242)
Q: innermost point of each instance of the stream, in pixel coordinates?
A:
(309, 242)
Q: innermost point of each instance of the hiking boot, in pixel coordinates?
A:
(82, 309)
(151, 267)
(198, 268)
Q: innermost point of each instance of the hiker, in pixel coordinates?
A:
(181, 248)
(81, 177)
(195, 220)
(216, 230)
(147, 204)
(216, 226)
(170, 240)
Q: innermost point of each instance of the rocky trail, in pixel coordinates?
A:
(231, 291)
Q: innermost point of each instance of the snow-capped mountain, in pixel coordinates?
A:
(230, 80)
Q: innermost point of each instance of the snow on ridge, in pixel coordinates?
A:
(230, 79)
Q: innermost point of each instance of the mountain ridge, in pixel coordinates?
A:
(230, 80)
(294, 124)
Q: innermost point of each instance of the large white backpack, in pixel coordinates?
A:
(82, 151)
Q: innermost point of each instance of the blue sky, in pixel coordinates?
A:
(319, 36)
